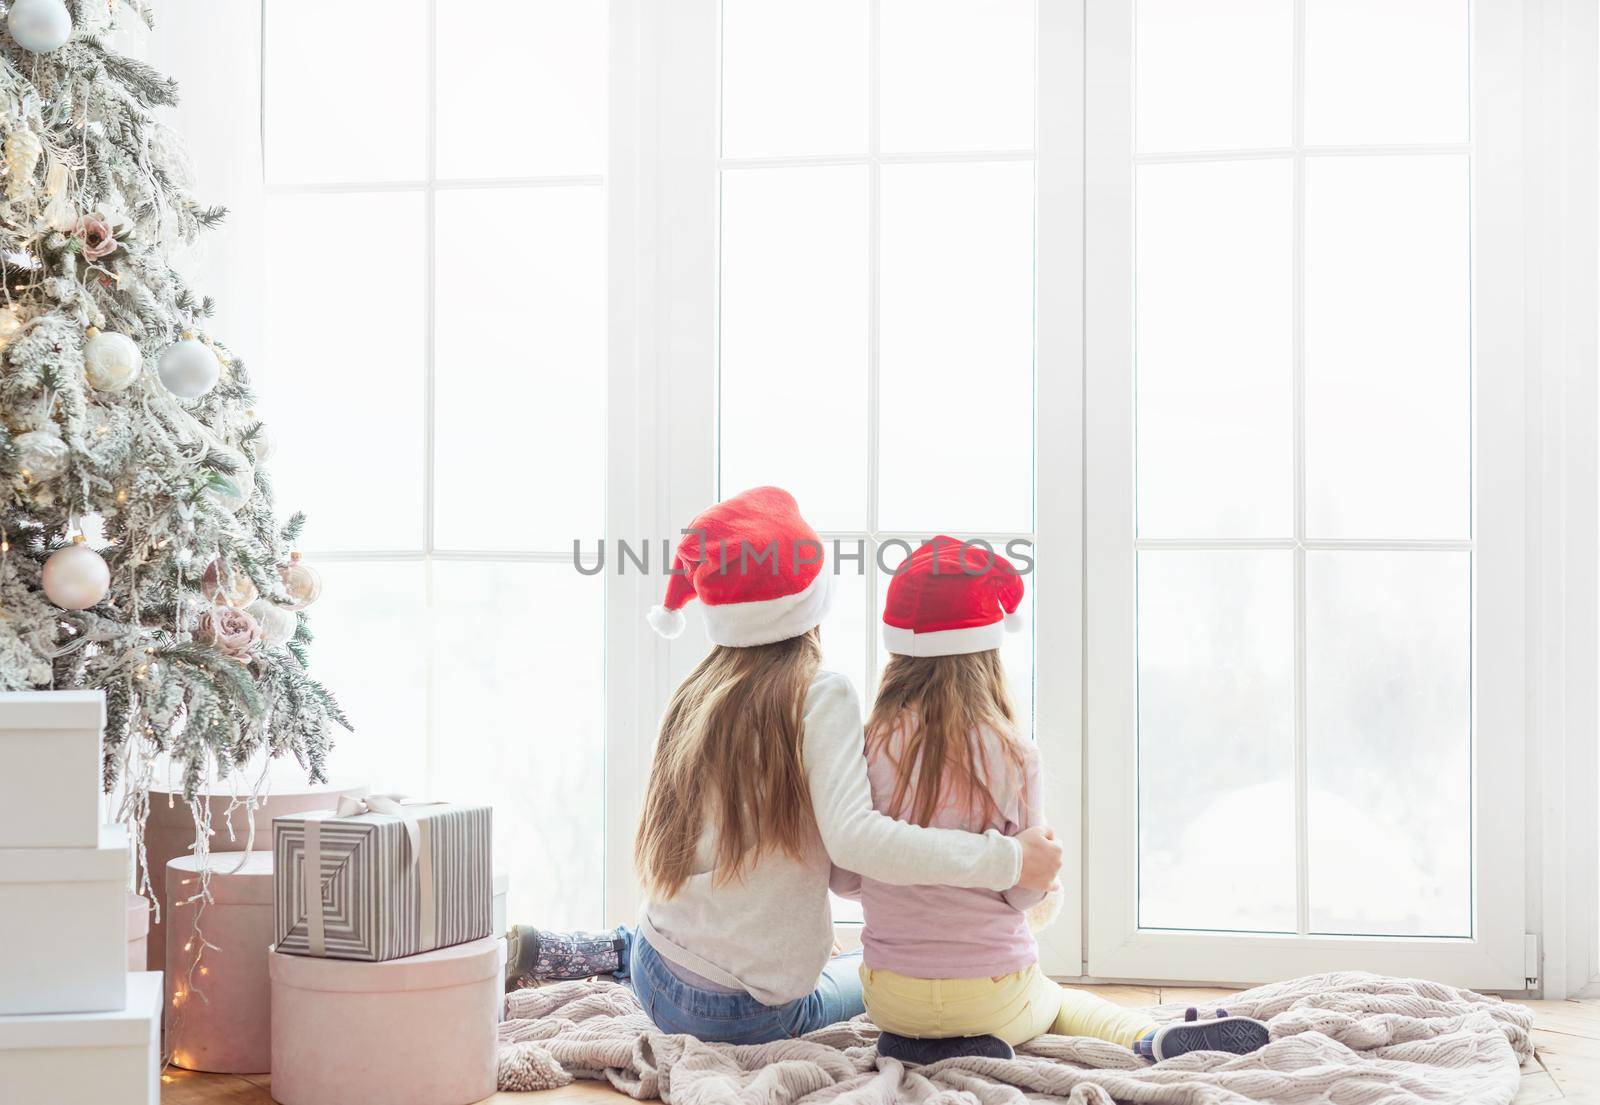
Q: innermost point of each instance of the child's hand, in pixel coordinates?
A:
(1041, 857)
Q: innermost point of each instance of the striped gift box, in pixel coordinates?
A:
(381, 878)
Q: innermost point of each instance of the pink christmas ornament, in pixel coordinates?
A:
(229, 586)
(301, 581)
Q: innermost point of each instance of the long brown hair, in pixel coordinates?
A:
(941, 760)
(730, 748)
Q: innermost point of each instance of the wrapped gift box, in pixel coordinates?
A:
(138, 930)
(381, 878)
(49, 796)
(413, 1031)
(65, 946)
(502, 884)
(169, 831)
(218, 997)
(87, 1058)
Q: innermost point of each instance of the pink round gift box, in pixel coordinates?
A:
(169, 832)
(414, 1031)
(226, 1027)
(138, 930)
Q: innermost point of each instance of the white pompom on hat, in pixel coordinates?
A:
(757, 568)
(950, 598)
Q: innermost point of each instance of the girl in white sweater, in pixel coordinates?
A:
(758, 786)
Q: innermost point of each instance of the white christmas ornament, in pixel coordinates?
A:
(188, 368)
(59, 214)
(39, 25)
(111, 360)
(277, 623)
(301, 581)
(22, 150)
(243, 479)
(10, 324)
(76, 577)
(265, 444)
(41, 455)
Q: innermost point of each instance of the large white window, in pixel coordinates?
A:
(1299, 487)
(436, 357)
(1219, 306)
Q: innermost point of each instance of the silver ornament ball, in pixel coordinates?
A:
(39, 26)
(111, 361)
(41, 454)
(188, 368)
(76, 577)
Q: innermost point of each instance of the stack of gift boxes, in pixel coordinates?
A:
(76, 1026)
(387, 971)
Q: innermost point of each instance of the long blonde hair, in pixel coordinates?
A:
(730, 748)
(942, 762)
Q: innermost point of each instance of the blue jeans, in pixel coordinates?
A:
(676, 1006)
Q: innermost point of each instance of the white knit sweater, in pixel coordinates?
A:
(771, 932)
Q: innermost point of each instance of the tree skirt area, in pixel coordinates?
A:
(1347, 1037)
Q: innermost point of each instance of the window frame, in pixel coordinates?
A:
(1116, 945)
(1564, 254)
(661, 87)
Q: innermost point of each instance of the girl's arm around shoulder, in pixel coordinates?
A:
(846, 884)
(861, 839)
(1030, 804)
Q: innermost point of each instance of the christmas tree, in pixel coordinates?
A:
(120, 413)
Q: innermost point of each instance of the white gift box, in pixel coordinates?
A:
(87, 1058)
(51, 798)
(138, 930)
(66, 925)
(502, 883)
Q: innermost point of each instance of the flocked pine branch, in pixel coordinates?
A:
(198, 642)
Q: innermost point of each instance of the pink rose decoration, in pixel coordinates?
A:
(229, 629)
(98, 241)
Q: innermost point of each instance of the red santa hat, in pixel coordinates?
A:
(757, 568)
(950, 598)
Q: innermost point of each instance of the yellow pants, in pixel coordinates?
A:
(1014, 1007)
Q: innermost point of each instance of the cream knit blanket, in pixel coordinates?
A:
(1347, 1037)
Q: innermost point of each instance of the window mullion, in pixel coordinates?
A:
(874, 271)
(874, 266)
(1302, 834)
(429, 304)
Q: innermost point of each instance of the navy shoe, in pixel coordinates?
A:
(908, 1049)
(1235, 1035)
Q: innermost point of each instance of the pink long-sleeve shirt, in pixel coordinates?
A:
(948, 931)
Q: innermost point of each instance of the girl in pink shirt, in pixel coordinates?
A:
(952, 970)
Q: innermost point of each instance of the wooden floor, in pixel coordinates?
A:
(1565, 1068)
